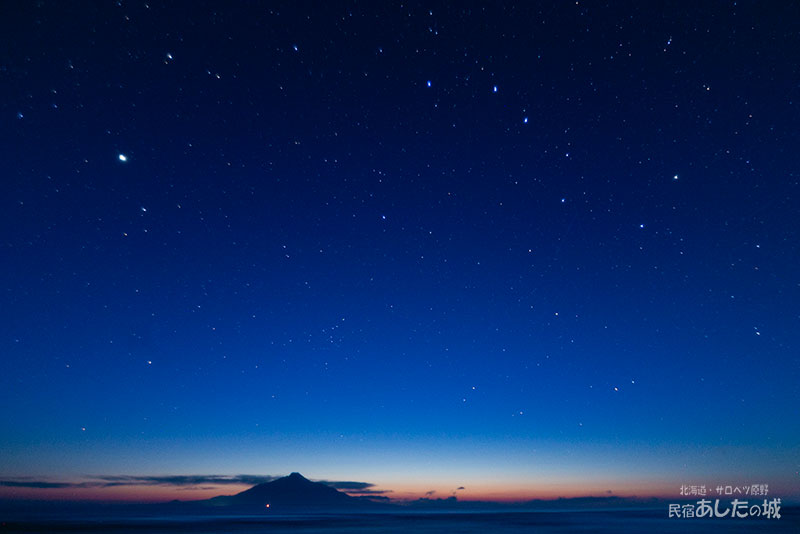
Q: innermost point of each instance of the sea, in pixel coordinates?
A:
(648, 521)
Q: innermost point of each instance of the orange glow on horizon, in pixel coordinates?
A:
(122, 494)
(511, 492)
(496, 492)
(397, 492)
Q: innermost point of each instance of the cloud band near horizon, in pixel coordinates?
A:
(182, 481)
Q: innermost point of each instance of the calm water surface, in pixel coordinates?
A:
(617, 521)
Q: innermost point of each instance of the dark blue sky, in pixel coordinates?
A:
(507, 247)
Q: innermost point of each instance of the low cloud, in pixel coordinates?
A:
(183, 481)
(367, 492)
(349, 486)
(346, 485)
(35, 484)
(374, 498)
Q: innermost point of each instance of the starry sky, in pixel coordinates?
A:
(524, 250)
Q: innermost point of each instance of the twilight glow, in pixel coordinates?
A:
(502, 253)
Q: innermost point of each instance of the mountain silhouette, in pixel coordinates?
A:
(292, 491)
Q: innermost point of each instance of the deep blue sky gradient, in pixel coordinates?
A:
(478, 242)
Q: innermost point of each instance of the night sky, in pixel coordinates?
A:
(528, 250)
